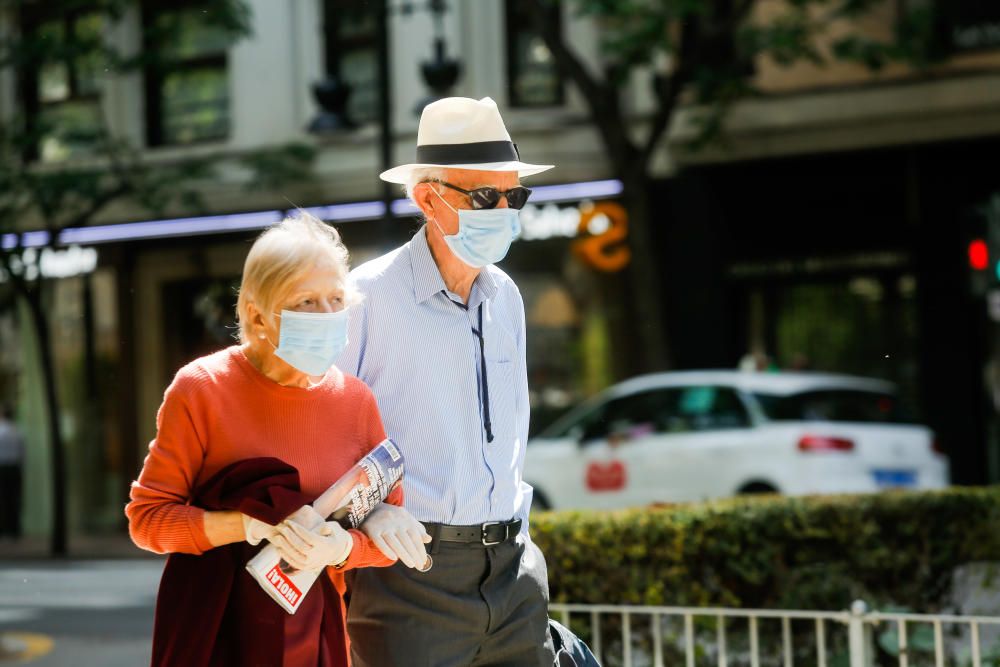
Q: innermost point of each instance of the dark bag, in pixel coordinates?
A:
(570, 649)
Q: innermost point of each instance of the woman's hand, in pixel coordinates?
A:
(228, 527)
(397, 534)
(306, 517)
(304, 549)
(255, 530)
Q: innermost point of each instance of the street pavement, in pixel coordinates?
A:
(80, 613)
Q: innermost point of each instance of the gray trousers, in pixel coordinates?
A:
(477, 606)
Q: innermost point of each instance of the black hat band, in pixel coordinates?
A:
(479, 152)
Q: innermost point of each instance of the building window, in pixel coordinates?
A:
(61, 91)
(187, 82)
(350, 28)
(532, 77)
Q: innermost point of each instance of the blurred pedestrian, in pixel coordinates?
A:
(757, 362)
(11, 471)
(800, 362)
(440, 339)
(275, 402)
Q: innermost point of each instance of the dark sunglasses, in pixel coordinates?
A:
(489, 196)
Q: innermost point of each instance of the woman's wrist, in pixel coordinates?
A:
(224, 527)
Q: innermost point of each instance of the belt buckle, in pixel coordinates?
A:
(486, 525)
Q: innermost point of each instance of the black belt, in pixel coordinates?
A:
(487, 534)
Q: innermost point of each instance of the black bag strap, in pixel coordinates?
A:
(563, 657)
(557, 642)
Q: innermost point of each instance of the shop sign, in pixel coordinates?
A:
(969, 25)
(72, 261)
(539, 223)
(600, 231)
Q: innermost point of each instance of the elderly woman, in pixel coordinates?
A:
(276, 398)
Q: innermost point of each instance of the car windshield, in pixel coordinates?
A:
(674, 409)
(837, 405)
(572, 423)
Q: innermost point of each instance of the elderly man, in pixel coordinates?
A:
(440, 339)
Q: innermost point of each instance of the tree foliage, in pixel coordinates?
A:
(40, 200)
(701, 54)
(901, 551)
(771, 552)
(705, 49)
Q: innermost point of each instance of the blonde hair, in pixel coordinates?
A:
(281, 256)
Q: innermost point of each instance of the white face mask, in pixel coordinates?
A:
(311, 342)
(484, 235)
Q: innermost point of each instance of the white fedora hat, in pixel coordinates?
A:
(463, 133)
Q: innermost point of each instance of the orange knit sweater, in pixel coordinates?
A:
(220, 409)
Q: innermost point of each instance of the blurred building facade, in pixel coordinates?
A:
(832, 229)
(827, 232)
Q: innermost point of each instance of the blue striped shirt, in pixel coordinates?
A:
(414, 343)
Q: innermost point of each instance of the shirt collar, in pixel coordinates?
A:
(427, 279)
(485, 287)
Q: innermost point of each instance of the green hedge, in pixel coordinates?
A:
(772, 552)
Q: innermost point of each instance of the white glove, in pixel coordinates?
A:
(397, 534)
(304, 549)
(255, 530)
(306, 517)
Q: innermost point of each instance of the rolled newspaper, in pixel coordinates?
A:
(348, 502)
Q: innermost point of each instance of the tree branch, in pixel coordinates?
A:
(551, 32)
(601, 96)
(666, 105)
(696, 40)
(95, 205)
(741, 12)
(19, 283)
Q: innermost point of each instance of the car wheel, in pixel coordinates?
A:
(756, 489)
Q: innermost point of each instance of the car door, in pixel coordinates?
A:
(553, 464)
(623, 451)
(701, 447)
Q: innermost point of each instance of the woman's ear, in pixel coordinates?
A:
(257, 324)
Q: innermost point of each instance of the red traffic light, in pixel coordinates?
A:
(979, 255)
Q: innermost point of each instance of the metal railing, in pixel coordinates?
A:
(937, 622)
(638, 633)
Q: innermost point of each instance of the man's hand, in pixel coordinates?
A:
(397, 534)
(305, 549)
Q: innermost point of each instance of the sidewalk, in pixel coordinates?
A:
(78, 611)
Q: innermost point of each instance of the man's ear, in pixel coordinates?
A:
(424, 198)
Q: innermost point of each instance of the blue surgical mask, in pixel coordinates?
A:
(311, 342)
(484, 235)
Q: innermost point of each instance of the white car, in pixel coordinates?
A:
(687, 436)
